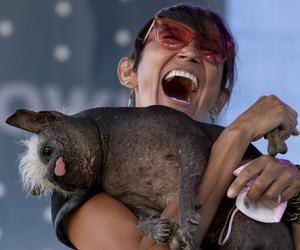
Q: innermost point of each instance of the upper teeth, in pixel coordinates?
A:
(173, 73)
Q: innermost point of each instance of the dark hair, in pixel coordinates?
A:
(200, 19)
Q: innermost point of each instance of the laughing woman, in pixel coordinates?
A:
(184, 58)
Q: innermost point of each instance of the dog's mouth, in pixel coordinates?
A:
(179, 85)
(60, 176)
(67, 174)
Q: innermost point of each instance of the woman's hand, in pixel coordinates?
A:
(274, 178)
(266, 114)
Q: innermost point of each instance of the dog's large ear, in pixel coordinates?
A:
(33, 121)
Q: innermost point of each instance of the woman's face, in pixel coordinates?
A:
(180, 79)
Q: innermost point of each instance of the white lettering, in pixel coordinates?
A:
(18, 94)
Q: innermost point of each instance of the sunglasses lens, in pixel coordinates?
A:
(172, 36)
(212, 51)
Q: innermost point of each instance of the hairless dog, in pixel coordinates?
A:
(144, 157)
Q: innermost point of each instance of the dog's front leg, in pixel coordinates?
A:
(193, 157)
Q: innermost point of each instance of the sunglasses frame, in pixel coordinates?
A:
(217, 59)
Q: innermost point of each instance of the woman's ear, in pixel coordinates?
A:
(126, 74)
(220, 102)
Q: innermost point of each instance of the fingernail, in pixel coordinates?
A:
(279, 199)
(231, 193)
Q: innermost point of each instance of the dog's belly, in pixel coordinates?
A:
(153, 186)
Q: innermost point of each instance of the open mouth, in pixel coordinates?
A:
(180, 85)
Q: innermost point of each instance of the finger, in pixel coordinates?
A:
(292, 111)
(286, 131)
(289, 193)
(289, 126)
(277, 187)
(271, 170)
(293, 120)
(263, 182)
(253, 169)
(288, 119)
(295, 132)
(287, 184)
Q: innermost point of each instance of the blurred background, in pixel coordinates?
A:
(58, 54)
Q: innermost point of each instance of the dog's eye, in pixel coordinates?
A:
(47, 151)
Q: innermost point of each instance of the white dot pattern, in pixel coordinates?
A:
(47, 214)
(2, 190)
(63, 8)
(6, 28)
(62, 53)
(122, 37)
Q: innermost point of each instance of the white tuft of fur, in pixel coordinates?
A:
(33, 171)
(31, 168)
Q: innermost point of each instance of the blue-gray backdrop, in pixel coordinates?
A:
(62, 54)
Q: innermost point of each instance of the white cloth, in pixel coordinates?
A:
(261, 210)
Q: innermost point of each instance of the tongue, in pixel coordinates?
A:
(60, 169)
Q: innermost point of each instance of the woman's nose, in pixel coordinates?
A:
(190, 53)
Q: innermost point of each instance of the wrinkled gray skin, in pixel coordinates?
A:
(145, 157)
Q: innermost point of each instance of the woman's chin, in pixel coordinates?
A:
(186, 107)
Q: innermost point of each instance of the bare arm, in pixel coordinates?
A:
(232, 144)
(103, 223)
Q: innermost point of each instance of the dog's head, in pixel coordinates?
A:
(64, 154)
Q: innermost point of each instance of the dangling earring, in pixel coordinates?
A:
(212, 117)
(131, 100)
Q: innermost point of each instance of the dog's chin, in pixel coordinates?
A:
(58, 183)
(64, 192)
(63, 187)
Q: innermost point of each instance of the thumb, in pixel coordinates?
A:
(295, 132)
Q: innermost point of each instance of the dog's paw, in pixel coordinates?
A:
(192, 223)
(186, 235)
(158, 229)
(162, 231)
